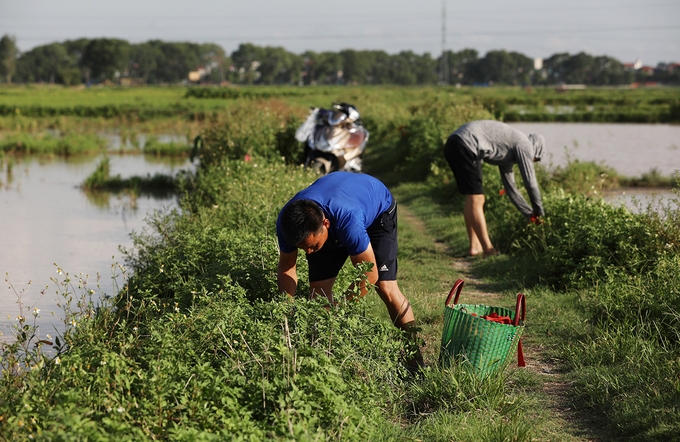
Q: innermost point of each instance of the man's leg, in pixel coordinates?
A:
(475, 223)
(397, 304)
(402, 316)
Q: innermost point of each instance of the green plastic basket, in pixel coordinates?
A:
(486, 345)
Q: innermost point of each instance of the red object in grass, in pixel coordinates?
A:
(536, 220)
(501, 192)
(246, 158)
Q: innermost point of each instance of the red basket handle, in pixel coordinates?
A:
(520, 311)
(457, 288)
(520, 307)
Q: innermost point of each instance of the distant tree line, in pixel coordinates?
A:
(157, 62)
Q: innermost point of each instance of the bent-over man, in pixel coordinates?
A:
(338, 216)
(502, 145)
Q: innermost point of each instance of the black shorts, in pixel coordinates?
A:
(467, 169)
(327, 262)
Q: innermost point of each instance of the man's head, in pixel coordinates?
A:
(304, 225)
(538, 142)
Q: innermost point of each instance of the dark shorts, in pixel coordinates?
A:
(467, 169)
(327, 262)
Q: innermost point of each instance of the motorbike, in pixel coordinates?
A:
(335, 139)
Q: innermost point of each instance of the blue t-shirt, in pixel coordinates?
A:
(351, 202)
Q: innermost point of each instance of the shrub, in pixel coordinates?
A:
(256, 130)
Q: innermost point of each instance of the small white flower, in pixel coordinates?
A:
(57, 360)
(120, 409)
(36, 312)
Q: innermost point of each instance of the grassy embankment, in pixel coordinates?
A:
(197, 345)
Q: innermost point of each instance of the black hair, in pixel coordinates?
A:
(299, 219)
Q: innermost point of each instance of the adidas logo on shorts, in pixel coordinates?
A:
(383, 268)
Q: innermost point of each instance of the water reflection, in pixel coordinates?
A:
(119, 141)
(642, 200)
(631, 149)
(45, 218)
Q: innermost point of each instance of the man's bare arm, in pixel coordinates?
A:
(372, 275)
(286, 273)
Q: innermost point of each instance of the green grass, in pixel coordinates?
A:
(198, 345)
(100, 180)
(25, 144)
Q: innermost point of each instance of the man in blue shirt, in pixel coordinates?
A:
(343, 215)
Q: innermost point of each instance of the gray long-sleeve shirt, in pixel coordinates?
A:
(503, 146)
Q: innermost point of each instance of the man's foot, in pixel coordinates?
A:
(491, 252)
(474, 253)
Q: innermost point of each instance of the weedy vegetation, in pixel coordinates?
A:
(197, 344)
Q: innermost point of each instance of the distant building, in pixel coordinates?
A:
(672, 67)
(538, 64)
(197, 75)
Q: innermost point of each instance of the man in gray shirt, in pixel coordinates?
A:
(503, 146)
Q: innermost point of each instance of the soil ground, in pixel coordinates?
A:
(553, 393)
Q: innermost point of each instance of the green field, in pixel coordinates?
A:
(197, 345)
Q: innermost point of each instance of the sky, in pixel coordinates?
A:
(627, 30)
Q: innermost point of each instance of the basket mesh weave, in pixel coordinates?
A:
(487, 345)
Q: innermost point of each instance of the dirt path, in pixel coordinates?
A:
(567, 423)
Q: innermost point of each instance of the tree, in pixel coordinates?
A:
(609, 71)
(503, 67)
(279, 66)
(177, 61)
(215, 61)
(246, 60)
(357, 65)
(554, 68)
(382, 69)
(144, 61)
(106, 58)
(49, 63)
(324, 68)
(461, 64)
(423, 66)
(8, 57)
(402, 71)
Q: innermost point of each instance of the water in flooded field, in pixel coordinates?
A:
(631, 149)
(46, 219)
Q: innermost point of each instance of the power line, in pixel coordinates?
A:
(411, 36)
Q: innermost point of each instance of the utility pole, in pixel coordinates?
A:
(444, 62)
